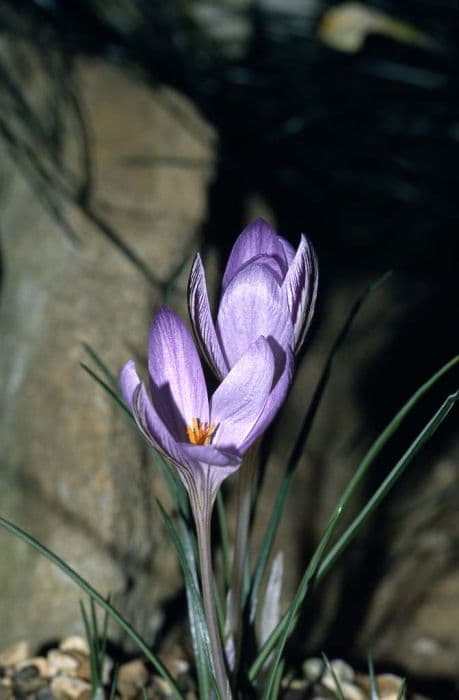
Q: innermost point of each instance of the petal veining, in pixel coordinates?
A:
(300, 289)
(201, 318)
(179, 391)
(259, 238)
(240, 399)
(252, 305)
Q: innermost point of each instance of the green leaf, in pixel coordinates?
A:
(224, 540)
(87, 588)
(294, 608)
(401, 695)
(387, 485)
(198, 623)
(374, 695)
(331, 670)
(297, 451)
(286, 624)
(110, 378)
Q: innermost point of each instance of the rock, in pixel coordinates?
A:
(62, 663)
(72, 464)
(313, 669)
(65, 688)
(131, 678)
(15, 653)
(74, 643)
(39, 663)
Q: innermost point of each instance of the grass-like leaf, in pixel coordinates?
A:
(401, 695)
(331, 670)
(294, 608)
(297, 451)
(374, 694)
(108, 374)
(198, 624)
(286, 625)
(224, 540)
(100, 600)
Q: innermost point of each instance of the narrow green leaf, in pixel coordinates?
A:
(401, 695)
(114, 683)
(224, 540)
(92, 651)
(294, 608)
(387, 485)
(111, 379)
(297, 451)
(115, 396)
(282, 630)
(374, 695)
(198, 623)
(331, 670)
(87, 588)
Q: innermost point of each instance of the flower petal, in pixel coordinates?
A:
(300, 289)
(252, 305)
(239, 400)
(179, 390)
(259, 238)
(201, 318)
(289, 250)
(212, 455)
(284, 371)
(129, 381)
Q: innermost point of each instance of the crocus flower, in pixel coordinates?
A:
(205, 439)
(268, 289)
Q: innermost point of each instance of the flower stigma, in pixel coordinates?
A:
(200, 433)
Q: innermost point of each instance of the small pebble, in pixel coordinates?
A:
(313, 669)
(65, 688)
(62, 663)
(131, 677)
(14, 654)
(75, 643)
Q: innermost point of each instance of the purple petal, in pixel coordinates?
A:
(240, 399)
(300, 289)
(179, 390)
(252, 305)
(289, 250)
(154, 429)
(284, 366)
(210, 454)
(259, 238)
(129, 381)
(201, 318)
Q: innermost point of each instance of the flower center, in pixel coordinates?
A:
(200, 433)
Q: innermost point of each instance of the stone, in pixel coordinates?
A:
(131, 678)
(62, 663)
(15, 653)
(74, 643)
(75, 473)
(39, 663)
(65, 688)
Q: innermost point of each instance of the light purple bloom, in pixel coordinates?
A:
(268, 289)
(205, 439)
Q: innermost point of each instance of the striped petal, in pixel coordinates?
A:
(259, 238)
(179, 391)
(300, 289)
(201, 318)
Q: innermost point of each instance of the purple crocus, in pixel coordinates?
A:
(268, 289)
(204, 438)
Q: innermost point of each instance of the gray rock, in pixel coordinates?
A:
(74, 472)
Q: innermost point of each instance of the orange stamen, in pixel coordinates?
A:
(200, 433)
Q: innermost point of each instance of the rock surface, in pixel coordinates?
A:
(95, 160)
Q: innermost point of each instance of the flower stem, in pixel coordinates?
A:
(205, 560)
(245, 488)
